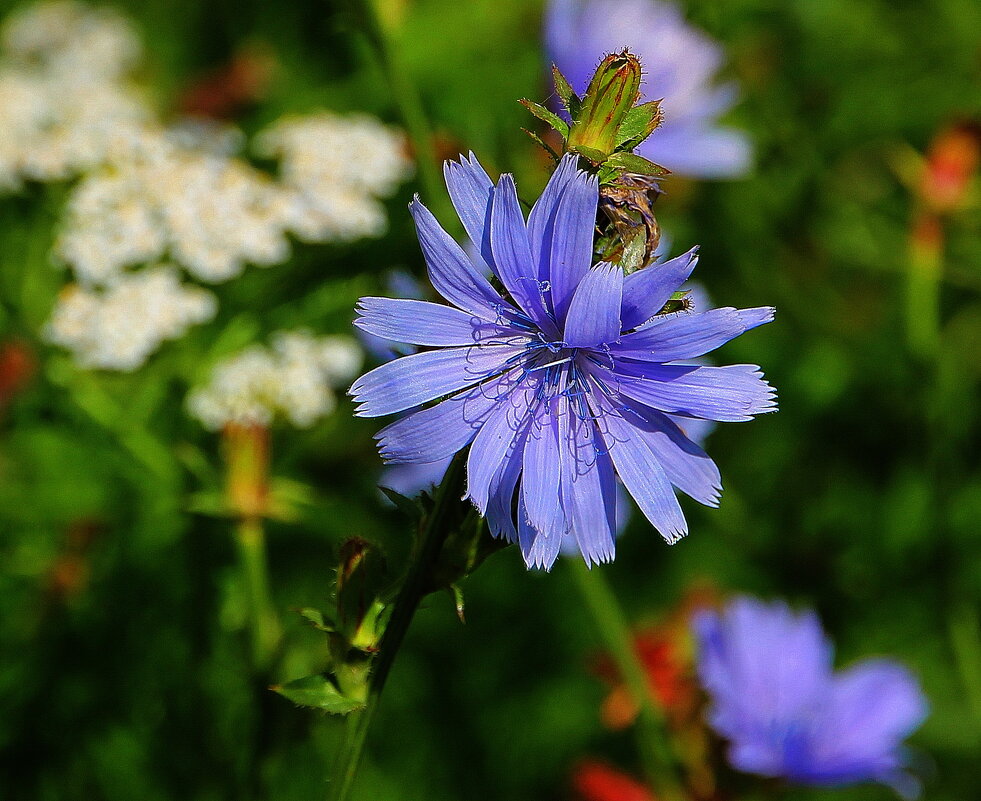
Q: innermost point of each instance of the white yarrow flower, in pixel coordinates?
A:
(118, 328)
(337, 167)
(296, 379)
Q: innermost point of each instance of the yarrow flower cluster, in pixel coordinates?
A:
(63, 90)
(337, 167)
(680, 66)
(150, 193)
(786, 713)
(561, 382)
(117, 328)
(155, 198)
(296, 379)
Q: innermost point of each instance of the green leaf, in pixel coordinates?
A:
(631, 162)
(210, 503)
(318, 692)
(288, 499)
(547, 116)
(640, 122)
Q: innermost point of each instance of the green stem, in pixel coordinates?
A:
(652, 733)
(412, 592)
(964, 627)
(267, 633)
(923, 284)
(409, 104)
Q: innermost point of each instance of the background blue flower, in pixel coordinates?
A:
(784, 710)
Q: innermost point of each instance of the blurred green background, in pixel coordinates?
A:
(124, 670)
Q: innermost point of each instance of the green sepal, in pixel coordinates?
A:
(361, 582)
(678, 302)
(640, 122)
(317, 619)
(318, 692)
(631, 162)
(456, 593)
(547, 116)
(563, 88)
(595, 156)
(634, 251)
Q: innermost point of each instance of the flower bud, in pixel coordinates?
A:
(612, 93)
(360, 582)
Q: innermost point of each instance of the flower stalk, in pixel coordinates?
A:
(415, 586)
(246, 451)
(611, 624)
(266, 629)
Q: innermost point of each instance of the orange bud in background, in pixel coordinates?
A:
(246, 451)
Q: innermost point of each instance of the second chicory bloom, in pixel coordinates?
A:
(680, 65)
(786, 713)
(563, 381)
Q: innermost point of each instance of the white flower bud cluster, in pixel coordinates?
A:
(295, 379)
(63, 94)
(338, 167)
(117, 328)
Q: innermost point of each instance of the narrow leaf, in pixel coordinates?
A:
(318, 692)
(542, 143)
(547, 116)
(563, 88)
(412, 509)
(456, 592)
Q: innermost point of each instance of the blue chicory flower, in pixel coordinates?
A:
(680, 63)
(561, 382)
(786, 713)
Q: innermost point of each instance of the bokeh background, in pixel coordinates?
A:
(125, 669)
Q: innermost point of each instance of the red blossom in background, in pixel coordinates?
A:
(665, 650)
(593, 780)
(951, 164)
(17, 367)
(226, 91)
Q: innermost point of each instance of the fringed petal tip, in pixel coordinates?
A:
(540, 559)
(673, 537)
(605, 558)
(751, 318)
